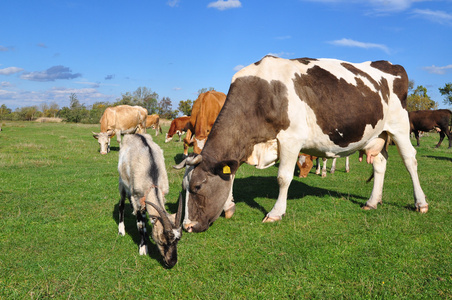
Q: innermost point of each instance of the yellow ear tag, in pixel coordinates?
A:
(226, 170)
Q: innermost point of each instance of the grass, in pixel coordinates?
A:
(58, 229)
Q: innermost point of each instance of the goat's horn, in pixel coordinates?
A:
(179, 211)
(163, 215)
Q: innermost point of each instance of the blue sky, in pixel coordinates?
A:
(100, 49)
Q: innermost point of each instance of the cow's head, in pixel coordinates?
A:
(209, 184)
(168, 138)
(167, 231)
(103, 138)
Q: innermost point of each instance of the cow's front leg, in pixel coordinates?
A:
(379, 165)
(141, 225)
(286, 169)
(229, 206)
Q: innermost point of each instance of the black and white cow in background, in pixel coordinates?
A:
(144, 181)
(323, 107)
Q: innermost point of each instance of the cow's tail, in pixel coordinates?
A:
(386, 146)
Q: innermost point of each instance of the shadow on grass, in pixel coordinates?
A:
(248, 189)
(130, 223)
(438, 157)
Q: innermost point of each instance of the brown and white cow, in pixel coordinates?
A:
(322, 107)
(426, 120)
(203, 114)
(305, 163)
(177, 127)
(154, 122)
(120, 120)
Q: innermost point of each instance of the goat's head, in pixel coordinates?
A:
(167, 231)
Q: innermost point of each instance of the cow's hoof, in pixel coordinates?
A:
(368, 207)
(423, 209)
(269, 219)
(229, 212)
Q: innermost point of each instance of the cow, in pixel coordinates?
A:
(305, 163)
(177, 127)
(120, 120)
(426, 120)
(322, 107)
(154, 122)
(144, 181)
(203, 114)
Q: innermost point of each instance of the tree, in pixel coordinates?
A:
(203, 90)
(126, 99)
(447, 92)
(5, 112)
(185, 107)
(419, 100)
(76, 111)
(146, 98)
(165, 109)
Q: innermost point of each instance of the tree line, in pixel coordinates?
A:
(76, 112)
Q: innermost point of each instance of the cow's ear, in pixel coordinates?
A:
(226, 168)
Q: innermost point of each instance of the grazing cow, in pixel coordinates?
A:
(120, 120)
(322, 107)
(154, 122)
(177, 127)
(426, 120)
(305, 163)
(144, 181)
(204, 113)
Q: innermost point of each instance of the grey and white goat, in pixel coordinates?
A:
(144, 181)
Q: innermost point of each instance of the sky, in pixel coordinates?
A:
(99, 50)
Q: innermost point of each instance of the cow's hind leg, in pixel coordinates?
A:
(408, 154)
(286, 170)
(379, 165)
(441, 138)
(333, 166)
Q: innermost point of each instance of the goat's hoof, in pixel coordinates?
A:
(368, 207)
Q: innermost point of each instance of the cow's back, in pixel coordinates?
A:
(205, 111)
(123, 117)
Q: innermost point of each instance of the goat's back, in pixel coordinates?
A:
(141, 164)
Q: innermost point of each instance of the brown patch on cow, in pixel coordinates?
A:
(305, 60)
(261, 107)
(342, 109)
(400, 84)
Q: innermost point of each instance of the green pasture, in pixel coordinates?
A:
(58, 229)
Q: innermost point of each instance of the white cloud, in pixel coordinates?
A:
(6, 84)
(437, 16)
(285, 37)
(380, 6)
(10, 70)
(223, 5)
(282, 54)
(173, 3)
(238, 67)
(438, 70)
(51, 74)
(352, 43)
(177, 89)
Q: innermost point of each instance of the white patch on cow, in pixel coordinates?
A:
(121, 229)
(264, 154)
(200, 143)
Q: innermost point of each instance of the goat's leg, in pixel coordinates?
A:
(141, 225)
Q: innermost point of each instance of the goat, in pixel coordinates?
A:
(144, 181)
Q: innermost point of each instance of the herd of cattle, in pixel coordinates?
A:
(275, 110)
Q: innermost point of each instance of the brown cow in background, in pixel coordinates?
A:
(154, 122)
(426, 120)
(204, 113)
(120, 120)
(177, 127)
